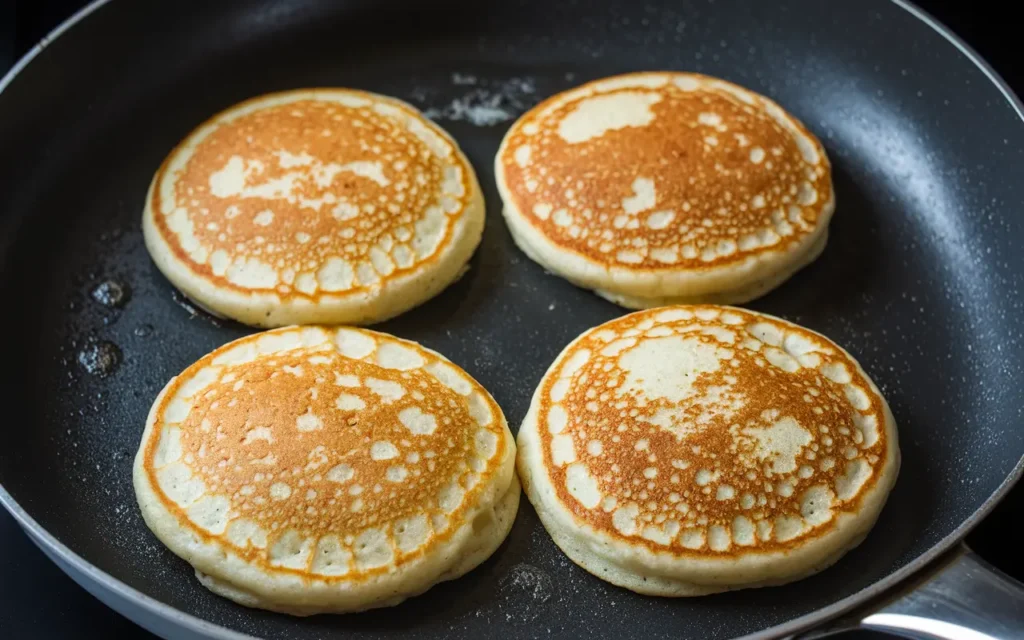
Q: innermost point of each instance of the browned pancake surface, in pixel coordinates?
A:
(665, 171)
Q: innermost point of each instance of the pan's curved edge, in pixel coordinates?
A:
(850, 603)
(41, 536)
(47, 39)
(969, 53)
(111, 585)
(210, 630)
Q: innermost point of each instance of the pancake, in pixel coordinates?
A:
(665, 188)
(312, 470)
(690, 450)
(314, 206)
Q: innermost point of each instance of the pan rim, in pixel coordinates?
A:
(209, 629)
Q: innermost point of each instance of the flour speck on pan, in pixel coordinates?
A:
(483, 103)
(525, 588)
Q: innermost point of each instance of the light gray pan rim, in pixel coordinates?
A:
(206, 629)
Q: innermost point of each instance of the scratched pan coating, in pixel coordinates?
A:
(921, 280)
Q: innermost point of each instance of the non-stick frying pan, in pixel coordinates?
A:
(922, 281)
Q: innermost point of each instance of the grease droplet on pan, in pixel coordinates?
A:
(100, 358)
(111, 293)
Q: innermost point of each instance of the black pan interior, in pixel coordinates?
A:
(921, 279)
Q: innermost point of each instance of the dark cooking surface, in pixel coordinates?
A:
(946, 289)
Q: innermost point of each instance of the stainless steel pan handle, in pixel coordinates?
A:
(961, 597)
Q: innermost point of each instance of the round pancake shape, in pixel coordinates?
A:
(660, 188)
(326, 470)
(313, 206)
(689, 450)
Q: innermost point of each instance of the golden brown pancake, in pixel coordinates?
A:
(314, 206)
(693, 449)
(658, 188)
(313, 469)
